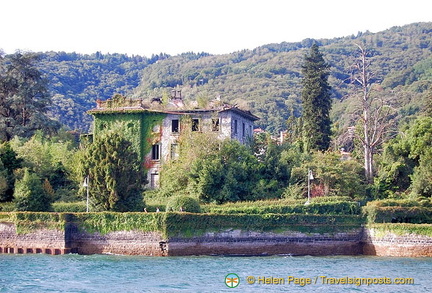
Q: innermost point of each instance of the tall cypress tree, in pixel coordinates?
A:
(316, 100)
(116, 177)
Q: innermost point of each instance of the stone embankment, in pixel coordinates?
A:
(48, 241)
(71, 239)
(237, 242)
(390, 244)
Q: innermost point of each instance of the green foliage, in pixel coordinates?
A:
(107, 222)
(52, 159)
(133, 125)
(7, 207)
(3, 181)
(76, 80)
(228, 175)
(181, 224)
(24, 98)
(175, 176)
(267, 78)
(27, 222)
(398, 211)
(401, 229)
(316, 208)
(30, 195)
(9, 162)
(274, 168)
(428, 103)
(190, 225)
(184, 204)
(116, 177)
(316, 101)
(332, 174)
(422, 174)
(405, 163)
(69, 207)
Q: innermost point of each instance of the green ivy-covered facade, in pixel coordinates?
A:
(155, 131)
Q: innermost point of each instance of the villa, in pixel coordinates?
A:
(155, 129)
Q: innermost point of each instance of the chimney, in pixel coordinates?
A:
(176, 98)
(176, 94)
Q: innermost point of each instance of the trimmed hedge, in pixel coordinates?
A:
(319, 208)
(402, 229)
(189, 225)
(57, 207)
(184, 204)
(106, 222)
(29, 221)
(398, 211)
(181, 224)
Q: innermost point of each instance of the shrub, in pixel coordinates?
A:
(184, 203)
(7, 207)
(281, 207)
(69, 207)
(398, 211)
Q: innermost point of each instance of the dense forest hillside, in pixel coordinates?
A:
(77, 80)
(266, 80)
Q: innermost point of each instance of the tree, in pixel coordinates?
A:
(405, 163)
(30, 194)
(3, 181)
(116, 177)
(226, 176)
(428, 102)
(24, 97)
(333, 175)
(373, 113)
(316, 99)
(51, 158)
(274, 168)
(10, 162)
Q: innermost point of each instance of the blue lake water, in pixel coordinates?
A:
(111, 273)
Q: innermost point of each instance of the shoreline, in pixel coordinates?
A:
(174, 234)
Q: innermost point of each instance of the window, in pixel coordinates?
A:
(215, 124)
(154, 180)
(155, 154)
(174, 151)
(175, 125)
(235, 126)
(244, 130)
(195, 124)
(156, 127)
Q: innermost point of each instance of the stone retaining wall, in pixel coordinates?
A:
(38, 241)
(231, 242)
(121, 242)
(395, 245)
(236, 242)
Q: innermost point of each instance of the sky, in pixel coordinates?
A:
(143, 27)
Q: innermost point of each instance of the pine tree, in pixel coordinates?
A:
(316, 100)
